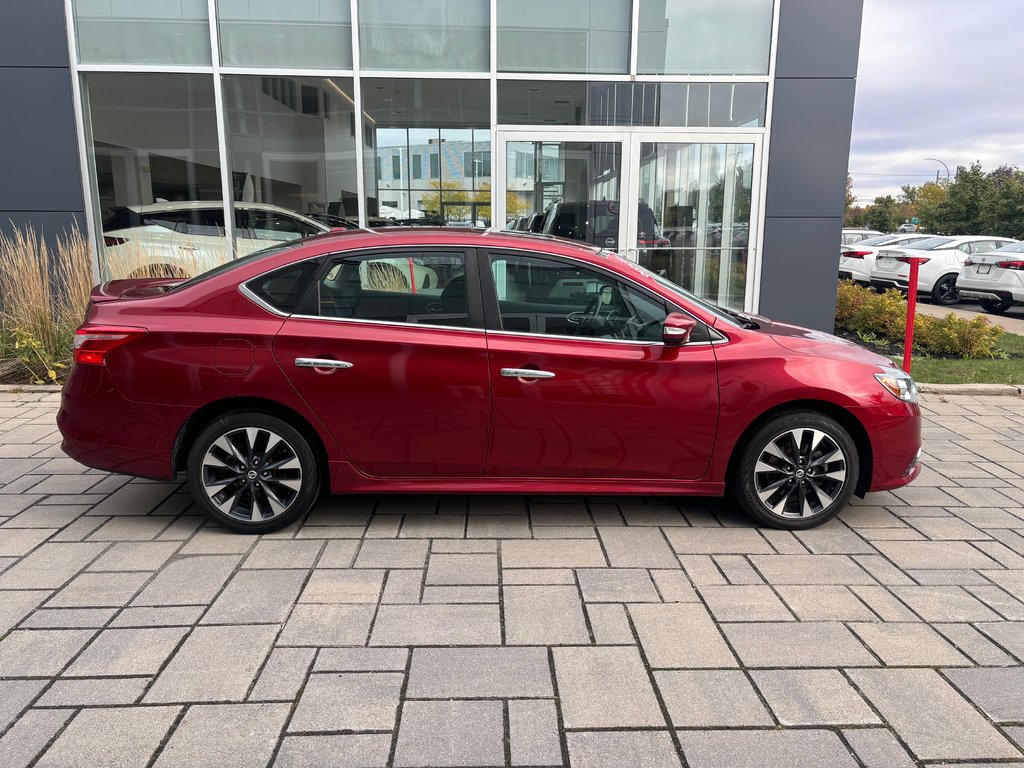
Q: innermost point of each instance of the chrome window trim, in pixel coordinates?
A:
(361, 321)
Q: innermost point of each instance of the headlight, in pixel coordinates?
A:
(899, 383)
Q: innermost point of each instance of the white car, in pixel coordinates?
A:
(180, 239)
(853, 236)
(856, 261)
(995, 279)
(944, 256)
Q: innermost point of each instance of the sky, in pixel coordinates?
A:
(937, 79)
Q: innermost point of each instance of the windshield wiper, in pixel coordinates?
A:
(745, 321)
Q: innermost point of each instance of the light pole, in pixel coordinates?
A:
(936, 160)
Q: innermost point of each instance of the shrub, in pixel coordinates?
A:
(883, 317)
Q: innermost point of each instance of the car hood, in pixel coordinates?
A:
(811, 342)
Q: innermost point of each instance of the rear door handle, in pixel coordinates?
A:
(320, 362)
(526, 373)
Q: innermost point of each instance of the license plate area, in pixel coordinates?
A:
(887, 264)
(984, 269)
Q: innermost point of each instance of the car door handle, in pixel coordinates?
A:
(526, 373)
(320, 362)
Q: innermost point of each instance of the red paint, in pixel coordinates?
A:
(908, 338)
(425, 409)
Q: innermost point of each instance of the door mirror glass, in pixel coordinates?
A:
(677, 330)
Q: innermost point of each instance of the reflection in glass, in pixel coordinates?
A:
(292, 150)
(566, 36)
(428, 154)
(700, 198)
(540, 102)
(315, 34)
(153, 154)
(704, 37)
(142, 31)
(432, 35)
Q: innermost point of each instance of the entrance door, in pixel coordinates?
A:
(688, 201)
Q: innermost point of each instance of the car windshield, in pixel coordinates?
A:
(930, 244)
(1011, 248)
(235, 263)
(880, 240)
(728, 315)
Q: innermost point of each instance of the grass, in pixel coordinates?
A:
(992, 371)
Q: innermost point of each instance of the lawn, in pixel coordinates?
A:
(993, 371)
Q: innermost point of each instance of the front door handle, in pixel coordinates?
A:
(320, 362)
(526, 373)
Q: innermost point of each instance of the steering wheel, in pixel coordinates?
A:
(590, 316)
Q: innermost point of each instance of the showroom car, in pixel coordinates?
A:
(856, 261)
(854, 236)
(529, 364)
(995, 279)
(942, 258)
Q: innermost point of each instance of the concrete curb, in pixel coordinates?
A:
(971, 389)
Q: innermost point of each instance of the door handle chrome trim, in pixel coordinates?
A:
(320, 362)
(526, 373)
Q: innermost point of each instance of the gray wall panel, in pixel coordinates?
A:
(819, 38)
(798, 276)
(51, 223)
(32, 34)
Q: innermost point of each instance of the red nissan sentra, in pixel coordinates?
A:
(436, 361)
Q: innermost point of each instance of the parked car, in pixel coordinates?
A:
(350, 222)
(937, 277)
(175, 238)
(995, 279)
(856, 261)
(854, 236)
(597, 221)
(906, 227)
(529, 365)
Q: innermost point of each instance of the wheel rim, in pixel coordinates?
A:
(948, 294)
(252, 474)
(800, 473)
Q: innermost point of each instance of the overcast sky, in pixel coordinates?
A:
(937, 78)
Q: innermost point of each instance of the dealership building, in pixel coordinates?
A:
(707, 139)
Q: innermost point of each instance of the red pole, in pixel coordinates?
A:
(908, 339)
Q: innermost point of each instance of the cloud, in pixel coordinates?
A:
(937, 78)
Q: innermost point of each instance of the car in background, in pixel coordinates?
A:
(184, 238)
(853, 236)
(597, 222)
(906, 227)
(995, 279)
(856, 261)
(351, 222)
(938, 273)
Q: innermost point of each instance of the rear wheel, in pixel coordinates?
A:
(945, 291)
(797, 471)
(252, 472)
(995, 307)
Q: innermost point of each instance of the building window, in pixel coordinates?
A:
(585, 36)
(433, 35)
(396, 167)
(315, 34)
(435, 166)
(417, 166)
(143, 32)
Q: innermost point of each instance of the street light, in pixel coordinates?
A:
(936, 160)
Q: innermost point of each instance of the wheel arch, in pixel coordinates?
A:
(846, 419)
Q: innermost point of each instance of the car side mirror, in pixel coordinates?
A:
(677, 329)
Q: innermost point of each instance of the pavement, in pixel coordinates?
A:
(511, 630)
(1012, 321)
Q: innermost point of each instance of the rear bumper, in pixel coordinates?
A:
(886, 283)
(993, 291)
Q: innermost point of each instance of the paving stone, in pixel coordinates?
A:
(30, 735)
(118, 737)
(283, 554)
(999, 601)
(526, 576)
(765, 749)
(386, 553)
(674, 586)
(15, 696)
(935, 554)
(744, 603)
(463, 546)
(361, 660)
(124, 652)
(913, 645)
(884, 571)
(498, 526)
(580, 553)
(135, 556)
(435, 734)
(616, 585)
(130, 528)
(460, 595)
(14, 606)
(363, 701)
(650, 749)
(214, 664)
(405, 625)
(40, 652)
(403, 586)
(49, 566)
(947, 728)
(433, 527)
(463, 569)
(825, 603)
(98, 590)
(974, 645)
(810, 569)
(711, 698)
(253, 597)
(813, 697)
(717, 541)
(544, 615)
(637, 547)
(533, 733)
(884, 604)
(878, 748)
(166, 616)
(336, 585)
(325, 625)
(680, 636)
(16, 542)
(610, 624)
(797, 644)
(86, 692)
(225, 735)
(68, 618)
(998, 692)
(474, 673)
(357, 750)
(188, 581)
(605, 687)
(944, 603)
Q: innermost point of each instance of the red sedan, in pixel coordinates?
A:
(441, 361)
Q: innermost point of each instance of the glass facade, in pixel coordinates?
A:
(212, 127)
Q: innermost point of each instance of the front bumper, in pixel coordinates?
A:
(894, 430)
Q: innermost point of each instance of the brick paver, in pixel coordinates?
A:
(514, 631)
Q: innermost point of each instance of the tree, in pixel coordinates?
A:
(883, 215)
(1003, 214)
(455, 198)
(930, 197)
(851, 199)
(966, 198)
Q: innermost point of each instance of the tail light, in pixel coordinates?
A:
(856, 254)
(93, 342)
(1017, 265)
(110, 241)
(969, 262)
(910, 259)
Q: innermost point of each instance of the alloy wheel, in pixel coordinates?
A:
(948, 294)
(251, 474)
(800, 473)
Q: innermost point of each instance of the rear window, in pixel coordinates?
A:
(1013, 248)
(931, 243)
(235, 263)
(283, 288)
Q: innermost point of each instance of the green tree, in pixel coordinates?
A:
(456, 200)
(966, 198)
(851, 199)
(883, 215)
(1003, 213)
(930, 197)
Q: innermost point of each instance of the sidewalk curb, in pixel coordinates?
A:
(971, 389)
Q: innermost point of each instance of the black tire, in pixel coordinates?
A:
(944, 291)
(264, 484)
(995, 307)
(796, 488)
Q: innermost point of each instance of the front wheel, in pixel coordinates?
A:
(252, 472)
(995, 307)
(797, 471)
(945, 291)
